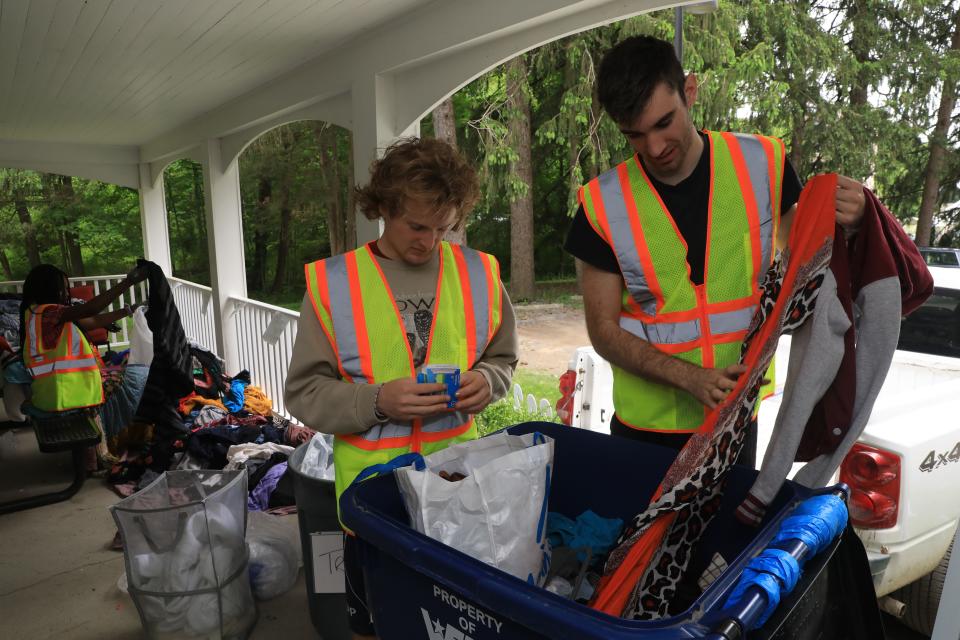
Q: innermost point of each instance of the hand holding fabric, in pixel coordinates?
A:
(406, 399)
(850, 204)
(711, 386)
(136, 275)
(474, 394)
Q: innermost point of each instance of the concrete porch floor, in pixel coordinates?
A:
(58, 578)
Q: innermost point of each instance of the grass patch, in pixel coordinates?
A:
(502, 413)
(541, 385)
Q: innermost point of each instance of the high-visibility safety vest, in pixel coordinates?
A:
(702, 324)
(357, 311)
(65, 376)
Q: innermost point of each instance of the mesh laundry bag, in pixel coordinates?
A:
(185, 555)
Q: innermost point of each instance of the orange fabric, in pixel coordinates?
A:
(614, 590)
(806, 239)
(254, 401)
(192, 401)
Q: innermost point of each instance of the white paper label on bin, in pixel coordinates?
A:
(327, 547)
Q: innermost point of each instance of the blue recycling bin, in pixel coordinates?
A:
(420, 588)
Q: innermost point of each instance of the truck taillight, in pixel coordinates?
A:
(568, 385)
(874, 479)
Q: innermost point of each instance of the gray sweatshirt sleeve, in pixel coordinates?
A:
(816, 350)
(315, 392)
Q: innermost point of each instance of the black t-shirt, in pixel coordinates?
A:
(687, 202)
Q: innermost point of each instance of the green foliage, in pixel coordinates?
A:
(502, 414)
(850, 86)
(541, 385)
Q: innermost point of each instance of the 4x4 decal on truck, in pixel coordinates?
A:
(936, 460)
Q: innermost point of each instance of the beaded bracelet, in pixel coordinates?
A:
(376, 410)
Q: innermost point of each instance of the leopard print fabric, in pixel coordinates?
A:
(693, 486)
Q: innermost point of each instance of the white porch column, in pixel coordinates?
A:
(375, 126)
(153, 220)
(221, 189)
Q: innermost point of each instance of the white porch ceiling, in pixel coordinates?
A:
(121, 72)
(93, 88)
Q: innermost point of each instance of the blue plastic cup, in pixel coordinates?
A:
(446, 374)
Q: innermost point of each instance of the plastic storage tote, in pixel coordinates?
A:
(419, 588)
(186, 556)
(322, 542)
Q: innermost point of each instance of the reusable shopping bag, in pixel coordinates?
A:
(497, 512)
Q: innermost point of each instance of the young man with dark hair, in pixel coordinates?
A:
(673, 244)
(372, 317)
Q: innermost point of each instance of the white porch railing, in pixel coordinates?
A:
(99, 284)
(194, 302)
(266, 334)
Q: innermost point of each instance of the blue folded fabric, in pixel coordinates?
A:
(588, 530)
(233, 398)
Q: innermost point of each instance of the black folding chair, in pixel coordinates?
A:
(74, 432)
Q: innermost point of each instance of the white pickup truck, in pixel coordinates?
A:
(905, 470)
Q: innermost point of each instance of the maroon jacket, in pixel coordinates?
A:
(881, 249)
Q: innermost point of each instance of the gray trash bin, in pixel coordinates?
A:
(322, 541)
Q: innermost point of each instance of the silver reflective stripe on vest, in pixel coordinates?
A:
(444, 422)
(662, 332)
(731, 321)
(387, 430)
(758, 166)
(623, 241)
(33, 340)
(75, 350)
(79, 363)
(41, 369)
(341, 312)
(481, 302)
(435, 424)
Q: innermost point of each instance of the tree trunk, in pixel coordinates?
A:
(332, 188)
(938, 152)
(29, 231)
(862, 20)
(173, 220)
(199, 216)
(64, 256)
(70, 237)
(283, 242)
(445, 128)
(264, 192)
(5, 263)
(521, 170)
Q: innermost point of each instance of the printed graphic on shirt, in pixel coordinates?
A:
(416, 311)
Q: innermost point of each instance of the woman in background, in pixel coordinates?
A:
(67, 372)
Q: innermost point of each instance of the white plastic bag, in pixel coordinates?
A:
(318, 458)
(141, 339)
(498, 512)
(275, 553)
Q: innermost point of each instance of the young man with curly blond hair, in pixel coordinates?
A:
(373, 317)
